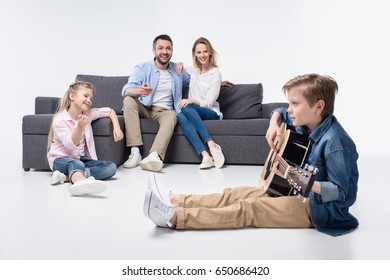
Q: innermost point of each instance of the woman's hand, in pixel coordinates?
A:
(184, 102)
(179, 68)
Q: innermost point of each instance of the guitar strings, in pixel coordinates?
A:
(283, 165)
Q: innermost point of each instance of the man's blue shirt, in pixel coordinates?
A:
(148, 73)
(334, 153)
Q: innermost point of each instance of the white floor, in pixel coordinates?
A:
(39, 221)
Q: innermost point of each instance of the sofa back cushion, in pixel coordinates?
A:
(108, 90)
(241, 101)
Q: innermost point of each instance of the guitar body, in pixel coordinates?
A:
(293, 148)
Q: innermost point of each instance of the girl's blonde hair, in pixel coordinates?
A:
(65, 103)
(212, 52)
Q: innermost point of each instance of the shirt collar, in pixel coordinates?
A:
(317, 134)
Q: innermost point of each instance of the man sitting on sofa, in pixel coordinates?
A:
(153, 91)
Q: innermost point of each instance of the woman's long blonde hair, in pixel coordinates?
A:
(65, 104)
(211, 50)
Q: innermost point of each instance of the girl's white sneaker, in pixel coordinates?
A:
(87, 186)
(57, 178)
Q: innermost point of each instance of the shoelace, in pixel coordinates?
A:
(164, 209)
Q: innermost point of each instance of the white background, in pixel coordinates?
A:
(44, 44)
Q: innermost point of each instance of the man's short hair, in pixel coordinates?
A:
(162, 37)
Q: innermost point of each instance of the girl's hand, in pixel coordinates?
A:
(118, 134)
(82, 120)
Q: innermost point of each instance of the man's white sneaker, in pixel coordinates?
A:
(87, 186)
(159, 190)
(57, 178)
(219, 158)
(159, 212)
(152, 162)
(207, 162)
(133, 161)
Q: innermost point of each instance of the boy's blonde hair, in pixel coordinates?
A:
(316, 87)
(65, 103)
(212, 52)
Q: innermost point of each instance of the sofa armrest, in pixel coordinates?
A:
(267, 108)
(46, 105)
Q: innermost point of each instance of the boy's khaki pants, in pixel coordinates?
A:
(133, 110)
(242, 207)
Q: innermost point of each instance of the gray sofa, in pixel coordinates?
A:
(241, 133)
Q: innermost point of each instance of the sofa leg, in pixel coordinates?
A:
(26, 169)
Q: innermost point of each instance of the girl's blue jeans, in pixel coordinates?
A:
(190, 119)
(99, 169)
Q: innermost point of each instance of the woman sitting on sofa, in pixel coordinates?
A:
(202, 104)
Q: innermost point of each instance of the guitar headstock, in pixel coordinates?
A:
(301, 179)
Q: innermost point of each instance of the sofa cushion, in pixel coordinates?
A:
(108, 90)
(241, 101)
(249, 127)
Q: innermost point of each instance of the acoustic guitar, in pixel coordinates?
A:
(292, 152)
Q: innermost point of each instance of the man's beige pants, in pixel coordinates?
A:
(133, 110)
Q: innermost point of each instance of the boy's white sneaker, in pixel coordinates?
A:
(159, 212)
(87, 186)
(133, 161)
(57, 178)
(152, 162)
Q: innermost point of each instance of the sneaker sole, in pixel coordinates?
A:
(148, 197)
(219, 160)
(152, 185)
(219, 163)
(129, 166)
(91, 188)
(205, 166)
(152, 166)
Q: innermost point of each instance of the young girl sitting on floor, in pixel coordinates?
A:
(71, 147)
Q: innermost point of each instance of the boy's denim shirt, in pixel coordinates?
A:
(148, 73)
(334, 153)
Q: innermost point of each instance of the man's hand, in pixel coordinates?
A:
(144, 90)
